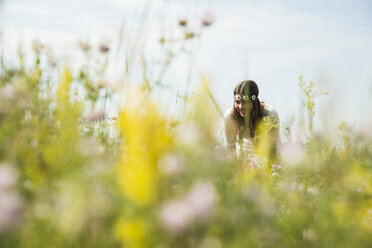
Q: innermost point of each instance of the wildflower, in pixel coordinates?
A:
(182, 22)
(189, 35)
(146, 139)
(202, 199)
(10, 202)
(207, 19)
(161, 40)
(198, 204)
(171, 164)
(274, 174)
(8, 177)
(176, 215)
(130, 231)
(37, 47)
(96, 116)
(293, 154)
(10, 209)
(103, 48)
(84, 46)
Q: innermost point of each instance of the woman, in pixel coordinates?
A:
(250, 122)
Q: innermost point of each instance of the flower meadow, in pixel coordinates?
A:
(71, 175)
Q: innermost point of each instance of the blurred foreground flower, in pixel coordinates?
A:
(84, 46)
(189, 133)
(130, 231)
(293, 153)
(197, 205)
(8, 177)
(10, 201)
(202, 199)
(146, 138)
(104, 48)
(182, 22)
(207, 19)
(96, 116)
(171, 164)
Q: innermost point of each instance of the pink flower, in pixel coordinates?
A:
(171, 164)
(96, 116)
(198, 204)
(8, 177)
(103, 48)
(10, 201)
(202, 199)
(10, 209)
(176, 215)
(207, 19)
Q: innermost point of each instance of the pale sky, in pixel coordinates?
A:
(272, 43)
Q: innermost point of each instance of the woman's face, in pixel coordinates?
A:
(242, 104)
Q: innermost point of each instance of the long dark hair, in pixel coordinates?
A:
(251, 121)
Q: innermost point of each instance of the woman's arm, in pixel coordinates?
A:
(229, 133)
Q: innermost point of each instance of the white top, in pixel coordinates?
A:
(231, 132)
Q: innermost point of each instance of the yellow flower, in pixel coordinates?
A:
(130, 232)
(146, 137)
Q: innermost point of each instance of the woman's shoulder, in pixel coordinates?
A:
(228, 114)
(269, 110)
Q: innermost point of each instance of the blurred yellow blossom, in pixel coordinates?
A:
(145, 137)
(130, 232)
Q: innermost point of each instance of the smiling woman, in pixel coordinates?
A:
(250, 120)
